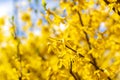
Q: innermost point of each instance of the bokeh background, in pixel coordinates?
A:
(14, 7)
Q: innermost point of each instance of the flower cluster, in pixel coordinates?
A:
(78, 40)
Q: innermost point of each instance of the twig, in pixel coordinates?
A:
(20, 58)
(74, 50)
(18, 46)
(75, 75)
(93, 62)
(117, 2)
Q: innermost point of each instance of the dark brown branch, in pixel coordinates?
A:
(87, 39)
(71, 49)
(75, 75)
(17, 47)
(80, 18)
(93, 62)
(117, 2)
(74, 50)
(20, 57)
(107, 2)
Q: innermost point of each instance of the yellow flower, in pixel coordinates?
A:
(2, 21)
(39, 22)
(25, 17)
(112, 1)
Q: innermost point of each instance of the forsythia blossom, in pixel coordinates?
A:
(77, 40)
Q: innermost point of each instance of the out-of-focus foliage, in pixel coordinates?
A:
(78, 40)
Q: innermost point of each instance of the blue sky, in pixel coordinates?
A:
(6, 7)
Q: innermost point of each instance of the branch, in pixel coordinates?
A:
(75, 75)
(117, 2)
(80, 18)
(18, 46)
(74, 50)
(93, 62)
(20, 58)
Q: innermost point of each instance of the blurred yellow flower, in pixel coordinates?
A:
(2, 21)
(25, 17)
(39, 22)
(62, 44)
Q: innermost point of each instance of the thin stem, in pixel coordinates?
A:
(74, 50)
(71, 49)
(17, 47)
(93, 62)
(75, 75)
(20, 58)
(117, 2)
